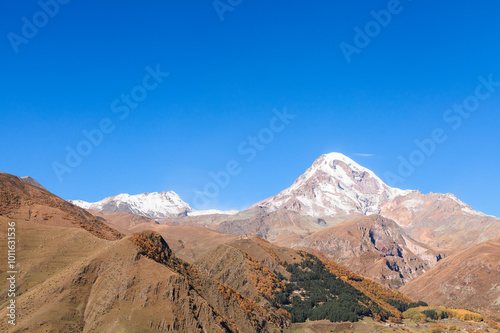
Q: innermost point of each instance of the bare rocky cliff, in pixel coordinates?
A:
(377, 247)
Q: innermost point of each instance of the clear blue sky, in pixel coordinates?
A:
(226, 77)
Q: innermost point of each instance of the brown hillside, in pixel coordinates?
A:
(247, 315)
(107, 287)
(247, 266)
(72, 281)
(23, 201)
(123, 222)
(469, 278)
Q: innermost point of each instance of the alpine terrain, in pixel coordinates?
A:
(339, 250)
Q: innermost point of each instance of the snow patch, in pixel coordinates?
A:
(81, 203)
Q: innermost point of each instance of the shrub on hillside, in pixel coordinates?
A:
(438, 328)
(403, 306)
(438, 312)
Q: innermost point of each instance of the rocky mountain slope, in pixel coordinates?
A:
(376, 247)
(441, 220)
(264, 272)
(31, 181)
(469, 278)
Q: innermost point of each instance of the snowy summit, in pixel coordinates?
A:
(153, 205)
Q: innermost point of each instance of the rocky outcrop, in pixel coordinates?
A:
(468, 279)
(31, 181)
(376, 247)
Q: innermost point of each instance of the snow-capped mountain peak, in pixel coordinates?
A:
(334, 185)
(153, 205)
(327, 164)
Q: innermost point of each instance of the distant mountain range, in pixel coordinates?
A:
(153, 205)
(334, 185)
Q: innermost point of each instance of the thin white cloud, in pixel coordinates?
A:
(364, 155)
(199, 192)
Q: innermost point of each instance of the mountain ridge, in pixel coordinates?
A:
(154, 205)
(334, 176)
(376, 247)
(334, 185)
(24, 201)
